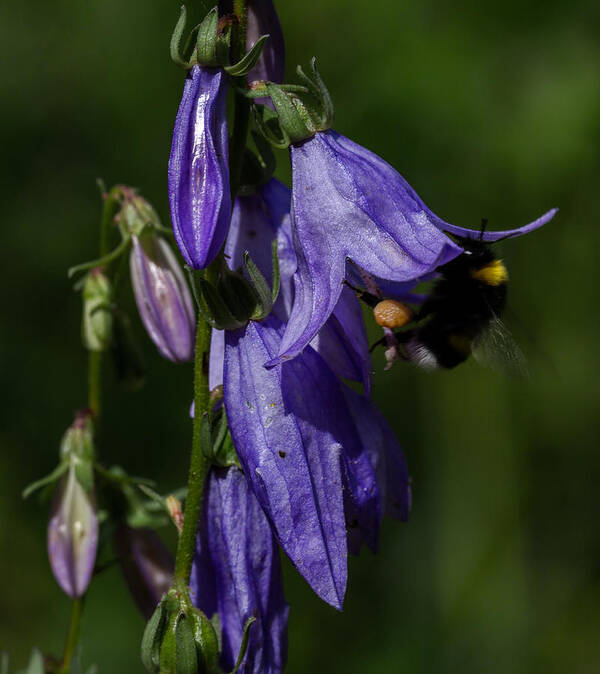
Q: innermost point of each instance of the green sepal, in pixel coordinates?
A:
(206, 436)
(207, 642)
(244, 644)
(276, 275)
(261, 288)
(206, 40)
(51, 478)
(267, 122)
(259, 89)
(292, 114)
(223, 452)
(185, 647)
(84, 472)
(175, 45)
(151, 641)
(239, 296)
(214, 310)
(248, 61)
(316, 86)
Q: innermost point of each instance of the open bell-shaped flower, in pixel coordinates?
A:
(237, 575)
(199, 195)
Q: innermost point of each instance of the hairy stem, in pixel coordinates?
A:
(198, 463)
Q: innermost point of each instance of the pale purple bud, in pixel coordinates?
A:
(146, 564)
(162, 296)
(73, 534)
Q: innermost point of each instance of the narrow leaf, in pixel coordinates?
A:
(206, 41)
(152, 636)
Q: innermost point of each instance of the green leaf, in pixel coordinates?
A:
(49, 479)
(248, 61)
(244, 644)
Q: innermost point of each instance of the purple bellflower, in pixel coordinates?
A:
(73, 535)
(237, 575)
(146, 564)
(199, 194)
(162, 297)
(349, 204)
(315, 472)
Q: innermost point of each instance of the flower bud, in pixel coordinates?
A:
(97, 315)
(73, 534)
(199, 194)
(146, 564)
(162, 297)
(263, 20)
(137, 213)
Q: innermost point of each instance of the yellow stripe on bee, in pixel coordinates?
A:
(493, 274)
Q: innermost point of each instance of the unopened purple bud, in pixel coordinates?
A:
(73, 534)
(146, 564)
(263, 20)
(199, 195)
(162, 296)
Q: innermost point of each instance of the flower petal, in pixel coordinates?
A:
(342, 341)
(385, 454)
(198, 168)
(496, 236)
(236, 574)
(162, 297)
(281, 425)
(349, 203)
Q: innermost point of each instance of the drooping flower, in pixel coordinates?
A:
(162, 297)
(237, 575)
(314, 473)
(73, 535)
(199, 195)
(349, 204)
(146, 564)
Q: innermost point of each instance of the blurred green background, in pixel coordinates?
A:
(489, 110)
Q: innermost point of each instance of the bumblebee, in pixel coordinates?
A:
(461, 316)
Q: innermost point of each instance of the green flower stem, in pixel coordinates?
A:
(94, 382)
(198, 462)
(72, 636)
(109, 210)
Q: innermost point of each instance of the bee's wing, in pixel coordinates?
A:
(497, 349)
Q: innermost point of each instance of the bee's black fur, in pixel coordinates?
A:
(459, 309)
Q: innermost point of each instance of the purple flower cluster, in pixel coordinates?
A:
(320, 465)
